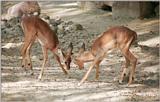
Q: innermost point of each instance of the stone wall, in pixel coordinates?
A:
(91, 5)
(133, 9)
(123, 9)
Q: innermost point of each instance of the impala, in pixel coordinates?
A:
(116, 37)
(35, 28)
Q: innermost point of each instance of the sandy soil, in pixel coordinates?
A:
(17, 86)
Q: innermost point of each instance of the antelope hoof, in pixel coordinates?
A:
(79, 84)
(69, 77)
(128, 84)
(96, 79)
(39, 78)
(120, 81)
(22, 66)
(130, 81)
(31, 72)
(66, 73)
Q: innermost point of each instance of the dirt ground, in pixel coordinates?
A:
(17, 86)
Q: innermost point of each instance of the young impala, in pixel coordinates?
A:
(35, 28)
(117, 37)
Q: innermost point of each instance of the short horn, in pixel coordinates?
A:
(70, 48)
(82, 49)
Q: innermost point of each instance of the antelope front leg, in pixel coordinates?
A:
(28, 41)
(98, 59)
(86, 75)
(97, 70)
(59, 62)
(29, 62)
(44, 62)
(124, 70)
(24, 63)
(133, 60)
(23, 53)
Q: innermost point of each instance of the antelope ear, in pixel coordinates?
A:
(64, 55)
(70, 48)
(82, 49)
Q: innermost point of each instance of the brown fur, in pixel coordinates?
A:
(116, 37)
(35, 28)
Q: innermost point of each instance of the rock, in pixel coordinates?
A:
(58, 21)
(78, 27)
(132, 10)
(11, 40)
(54, 28)
(68, 28)
(46, 17)
(69, 23)
(46, 20)
(13, 21)
(11, 30)
(60, 29)
(3, 24)
(53, 22)
(7, 25)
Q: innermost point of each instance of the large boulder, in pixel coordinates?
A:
(132, 9)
